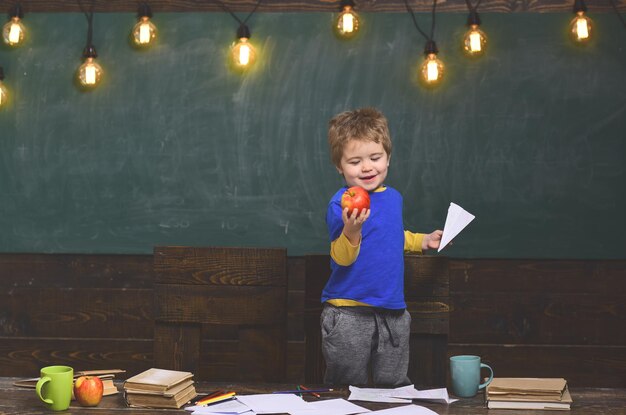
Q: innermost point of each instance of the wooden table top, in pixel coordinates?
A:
(587, 401)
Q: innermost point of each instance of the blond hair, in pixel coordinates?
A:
(364, 124)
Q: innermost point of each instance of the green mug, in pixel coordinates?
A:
(55, 387)
(465, 374)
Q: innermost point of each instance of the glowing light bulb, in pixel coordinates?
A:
(4, 93)
(474, 40)
(243, 54)
(581, 28)
(144, 32)
(14, 30)
(431, 71)
(90, 72)
(347, 24)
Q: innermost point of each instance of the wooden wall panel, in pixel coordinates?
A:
(218, 266)
(201, 288)
(220, 304)
(23, 357)
(77, 312)
(503, 6)
(87, 311)
(75, 271)
(542, 317)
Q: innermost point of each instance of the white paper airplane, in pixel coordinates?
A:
(457, 219)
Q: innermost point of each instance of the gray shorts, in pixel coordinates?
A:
(357, 340)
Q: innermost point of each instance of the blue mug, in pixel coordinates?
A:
(465, 374)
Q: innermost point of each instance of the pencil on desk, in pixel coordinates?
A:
(214, 399)
(207, 396)
(317, 395)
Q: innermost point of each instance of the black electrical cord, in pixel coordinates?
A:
(90, 50)
(241, 23)
(432, 26)
(619, 15)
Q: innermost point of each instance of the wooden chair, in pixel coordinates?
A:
(221, 312)
(427, 295)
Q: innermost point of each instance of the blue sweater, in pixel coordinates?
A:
(377, 276)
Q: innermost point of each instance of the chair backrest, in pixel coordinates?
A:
(221, 313)
(427, 294)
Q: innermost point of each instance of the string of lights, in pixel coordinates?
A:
(243, 54)
(619, 15)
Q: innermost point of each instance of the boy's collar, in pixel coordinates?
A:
(380, 188)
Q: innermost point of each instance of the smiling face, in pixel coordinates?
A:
(364, 163)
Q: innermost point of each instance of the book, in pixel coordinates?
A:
(158, 380)
(527, 386)
(564, 404)
(148, 400)
(174, 390)
(528, 393)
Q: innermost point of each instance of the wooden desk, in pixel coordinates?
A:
(14, 400)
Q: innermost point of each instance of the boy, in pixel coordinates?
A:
(364, 320)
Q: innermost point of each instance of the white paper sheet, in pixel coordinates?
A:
(231, 407)
(377, 395)
(457, 219)
(331, 407)
(272, 403)
(405, 410)
(435, 395)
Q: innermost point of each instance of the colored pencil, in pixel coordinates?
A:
(317, 395)
(208, 396)
(214, 399)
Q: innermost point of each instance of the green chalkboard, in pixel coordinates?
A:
(175, 149)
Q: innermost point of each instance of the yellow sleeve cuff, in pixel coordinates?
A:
(413, 242)
(343, 252)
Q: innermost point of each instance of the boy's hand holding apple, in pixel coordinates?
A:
(355, 203)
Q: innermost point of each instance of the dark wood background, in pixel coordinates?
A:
(500, 6)
(524, 317)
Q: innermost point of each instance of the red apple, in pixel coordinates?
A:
(88, 390)
(355, 197)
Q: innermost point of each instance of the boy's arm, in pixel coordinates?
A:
(419, 242)
(345, 249)
(413, 242)
(343, 252)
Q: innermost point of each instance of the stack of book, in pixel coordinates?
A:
(528, 393)
(159, 388)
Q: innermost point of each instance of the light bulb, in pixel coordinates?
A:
(4, 93)
(243, 54)
(347, 24)
(581, 28)
(144, 33)
(90, 72)
(431, 71)
(474, 41)
(14, 30)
